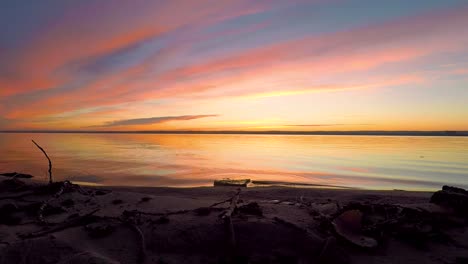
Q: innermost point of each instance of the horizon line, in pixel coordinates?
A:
(258, 132)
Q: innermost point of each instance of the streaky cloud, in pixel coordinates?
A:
(152, 120)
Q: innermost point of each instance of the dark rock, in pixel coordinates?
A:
(251, 209)
(145, 199)
(416, 234)
(454, 189)
(452, 197)
(101, 192)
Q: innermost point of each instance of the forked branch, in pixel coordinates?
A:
(50, 162)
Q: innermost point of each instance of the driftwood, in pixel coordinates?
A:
(227, 217)
(138, 212)
(72, 223)
(40, 213)
(184, 211)
(227, 200)
(16, 175)
(50, 162)
(234, 183)
(222, 202)
(233, 205)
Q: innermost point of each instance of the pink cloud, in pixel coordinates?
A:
(236, 73)
(89, 31)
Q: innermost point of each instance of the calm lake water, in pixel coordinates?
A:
(371, 162)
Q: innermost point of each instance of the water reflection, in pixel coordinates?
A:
(193, 160)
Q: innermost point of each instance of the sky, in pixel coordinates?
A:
(234, 65)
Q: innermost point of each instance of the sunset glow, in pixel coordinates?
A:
(234, 65)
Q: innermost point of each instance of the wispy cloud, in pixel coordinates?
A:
(152, 120)
(238, 58)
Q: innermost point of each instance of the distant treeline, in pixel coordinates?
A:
(350, 133)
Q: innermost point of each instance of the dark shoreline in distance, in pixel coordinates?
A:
(336, 133)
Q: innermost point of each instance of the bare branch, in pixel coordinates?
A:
(50, 162)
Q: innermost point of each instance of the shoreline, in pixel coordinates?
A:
(121, 224)
(285, 185)
(441, 133)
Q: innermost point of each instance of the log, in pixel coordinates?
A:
(229, 182)
(227, 217)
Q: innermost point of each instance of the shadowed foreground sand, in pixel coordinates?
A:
(66, 223)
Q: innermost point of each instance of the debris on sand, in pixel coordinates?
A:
(349, 226)
(231, 182)
(260, 226)
(251, 209)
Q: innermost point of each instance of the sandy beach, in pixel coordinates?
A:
(67, 223)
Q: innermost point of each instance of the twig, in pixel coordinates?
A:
(72, 223)
(50, 162)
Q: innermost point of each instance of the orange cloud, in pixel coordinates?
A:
(90, 31)
(280, 69)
